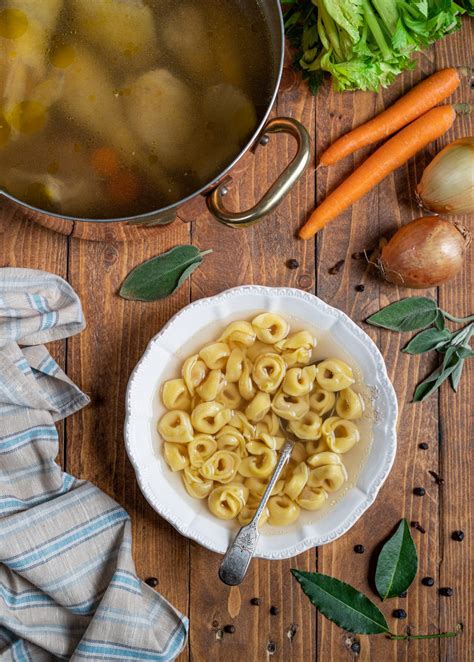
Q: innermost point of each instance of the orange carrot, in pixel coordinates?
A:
(393, 154)
(105, 161)
(416, 102)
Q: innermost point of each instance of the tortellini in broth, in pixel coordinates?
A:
(223, 429)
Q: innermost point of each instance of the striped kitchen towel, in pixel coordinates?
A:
(68, 586)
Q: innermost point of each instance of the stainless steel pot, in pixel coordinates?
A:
(216, 190)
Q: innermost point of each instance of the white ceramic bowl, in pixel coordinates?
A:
(189, 330)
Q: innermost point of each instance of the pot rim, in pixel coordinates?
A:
(151, 215)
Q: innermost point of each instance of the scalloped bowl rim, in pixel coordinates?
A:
(383, 390)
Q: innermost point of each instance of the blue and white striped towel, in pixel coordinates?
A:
(68, 587)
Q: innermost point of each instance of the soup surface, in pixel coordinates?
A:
(111, 108)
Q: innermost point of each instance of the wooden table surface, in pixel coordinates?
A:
(101, 359)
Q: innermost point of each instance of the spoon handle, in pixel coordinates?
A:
(239, 554)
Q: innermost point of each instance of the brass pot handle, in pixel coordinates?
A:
(278, 190)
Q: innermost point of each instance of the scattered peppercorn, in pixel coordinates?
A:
(271, 647)
(458, 535)
(336, 268)
(215, 624)
(256, 602)
(274, 611)
(230, 629)
(359, 549)
(437, 478)
(360, 255)
(403, 595)
(359, 288)
(418, 527)
(355, 648)
(419, 491)
(399, 613)
(292, 264)
(423, 446)
(446, 590)
(427, 581)
(151, 581)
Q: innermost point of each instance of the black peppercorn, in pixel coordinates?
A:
(399, 613)
(230, 629)
(256, 602)
(359, 288)
(355, 647)
(215, 624)
(419, 491)
(271, 647)
(423, 446)
(446, 590)
(359, 549)
(151, 581)
(458, 535)
(427, 581)
(403, 595)
(292, 264)
(274, 610)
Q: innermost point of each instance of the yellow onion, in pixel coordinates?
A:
(424, 253)
(447, 184)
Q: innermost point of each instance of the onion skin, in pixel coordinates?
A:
(447, 184)
(424, 253)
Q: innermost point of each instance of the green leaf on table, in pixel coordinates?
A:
(455, 376)
(450, 363)
(342, 603)
(440, 321)
(427, 340)
(397, 563)
(162, 275)
(408, 314)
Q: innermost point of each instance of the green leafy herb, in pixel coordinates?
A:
(342, 603)
(416, 313)
(162, 275)
(347, 607)
(397, 563)
(364, 44)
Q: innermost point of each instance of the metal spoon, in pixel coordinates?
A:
(240, 552)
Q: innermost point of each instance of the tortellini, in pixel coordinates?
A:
(334, 375)
(268, 372)
(349, 404)
(223, 426)
(270, 328)
(339, 434)
(227, 501)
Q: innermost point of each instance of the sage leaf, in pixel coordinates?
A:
(455, 376)
(450, 362)
(408, 314)
(397, 563)
(427, 340)
(341, 603)
(440, 321)
(162, 275)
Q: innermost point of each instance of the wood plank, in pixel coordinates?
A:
(256, 255)
(101, 360)
(384, 209)
(456, 562)
(25, 244)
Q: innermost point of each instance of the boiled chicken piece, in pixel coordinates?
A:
(89, 99)
(124, 30)
(184, 34)
(23, 51)
(161, 111)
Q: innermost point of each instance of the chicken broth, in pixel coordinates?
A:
(113, 108)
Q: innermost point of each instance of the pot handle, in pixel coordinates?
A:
(278, 190)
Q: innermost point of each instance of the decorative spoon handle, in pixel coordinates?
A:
(238, 556)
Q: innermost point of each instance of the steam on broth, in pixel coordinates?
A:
(111, 108)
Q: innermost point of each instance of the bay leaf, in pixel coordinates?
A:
(397, 563)
(408, 314)
(341, 603)
(162, 275)
(427, 340)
